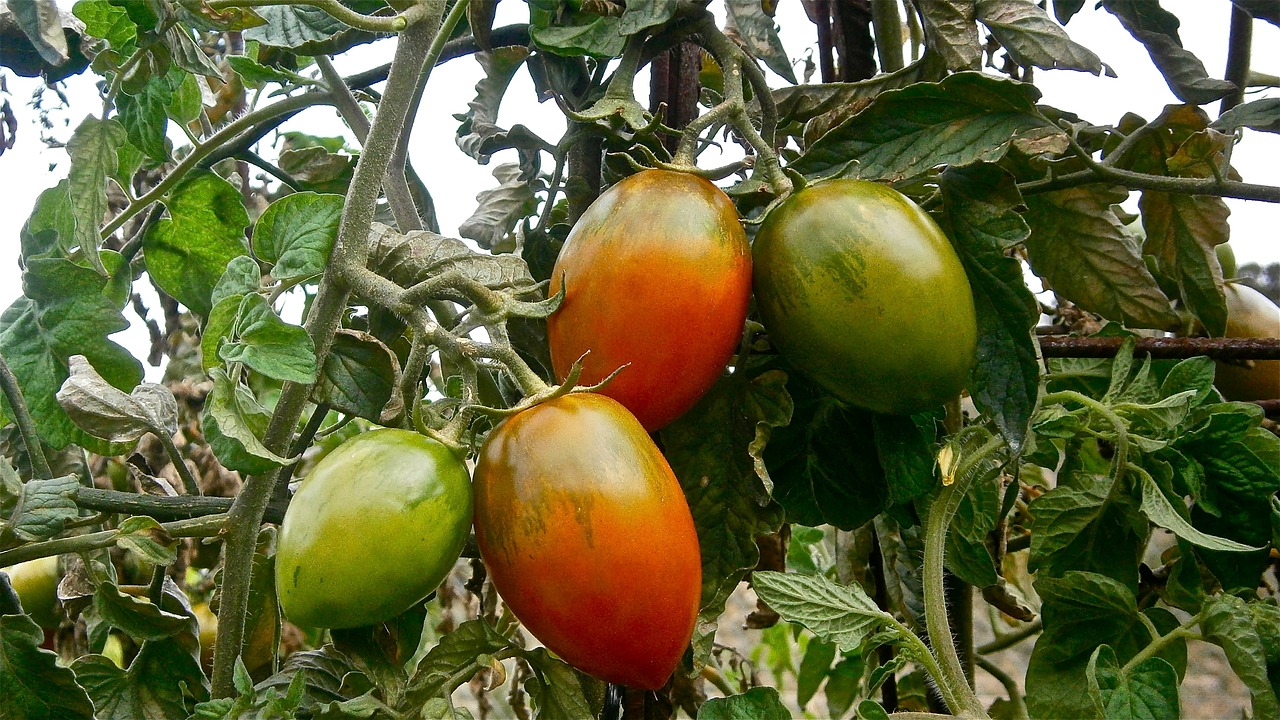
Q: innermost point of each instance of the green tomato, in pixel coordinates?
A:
(36, 582)
(861, 291)
(374, 528)
(1250, 314)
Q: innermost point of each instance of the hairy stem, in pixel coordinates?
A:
(26, 426)
(1185, 630)
(189, 483)
(1010, 686)
(351, 250)
(1009, 639)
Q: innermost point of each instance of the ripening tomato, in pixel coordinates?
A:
(36, 582)
(657, 273)
(374, 528)
(588, 538)
(1250, 314)
(861, 291)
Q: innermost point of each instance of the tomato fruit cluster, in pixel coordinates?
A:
(657, 276)
(374, 528)
(861, 291)
(587, 536)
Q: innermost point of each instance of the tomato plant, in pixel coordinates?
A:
(862, 292)
(588, 538)
(657, 277)
(384, 495)
(930, 213)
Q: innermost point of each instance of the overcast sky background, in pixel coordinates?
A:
(454, 179)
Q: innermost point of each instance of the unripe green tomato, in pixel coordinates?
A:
(36, 582)
(208, 622)
(1227, 259)
(1250, 314)
(374, 528)
(862, 292)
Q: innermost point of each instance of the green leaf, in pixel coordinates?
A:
(241, 277)
(186, 104)
(1080, 611)
(951, 29)
(499, 209)
(291, 26)
(759, 35)
(982, 221)
(758, 703)
(1085, 527)
(188, 252)
(708, 449)
(410, 258)
(256, 75)
(841, 614)
(814, 667)
(296, 234)
(906, 455)
(68, 310)
(360, 377)
(42, 508)
(137, 617)
(234, 422)
(578, 32)
(35, 686)
(107, 413)
(111, 23)
(1228, 623)
(1146, 692)
(1263, 115)
(977, 515)
(456, 651)
(269, 345)
(1079, 245)
(51, 229)
(218, 329)
(188, 55)
(145, 116)
(1162, 512)
(643, 14)
(93, 149)
(318, 170)
(1031, 38)
(556, 689)
(966, 118)
(155, 687)
(143, 536)
(1157, 29)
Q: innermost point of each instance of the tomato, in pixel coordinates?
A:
(588, 538)
(1250, 314)
(374, 528)
(208, 623)
(861, 291)
(36, 582)
(657, 274)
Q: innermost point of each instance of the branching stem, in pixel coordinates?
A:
(26, 426)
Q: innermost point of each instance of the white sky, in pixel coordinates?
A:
(454, 179)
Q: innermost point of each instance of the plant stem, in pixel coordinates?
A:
(199, 152)
(158, 506)
(179, 464)
(1185, 630)
(207, 526)
(1103, 173)
(351, 251)
(1120, 462)
(956, 692)
(26, 426)
(1008, 640)
(1010, 686)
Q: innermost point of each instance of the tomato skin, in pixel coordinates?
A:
(36, 582)
(374, 528)
(862, 292)
(657, 274)
(1250, 314)
(587, 536)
